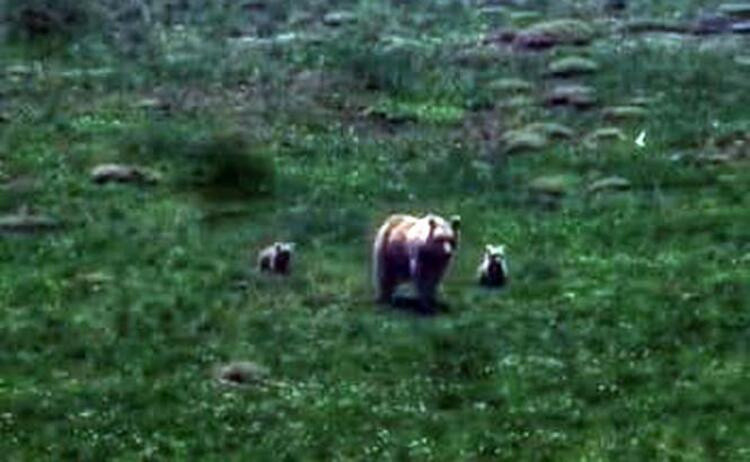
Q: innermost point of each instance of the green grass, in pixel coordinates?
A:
(623, 334)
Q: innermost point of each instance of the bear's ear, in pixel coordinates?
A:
(456, 222)
(431, 221)
(277, 246)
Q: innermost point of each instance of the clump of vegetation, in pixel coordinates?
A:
(33, 20)
(213, 161)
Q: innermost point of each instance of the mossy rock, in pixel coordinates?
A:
(524, 18)
(557, 32)
(554, 185)
(510, 85)
(523, 141)
(639, 26)
(551, 130)
(612, 183)
(742, 60)
(642, 101)
(406, 111)
(578, 96)
(339, 18)
(603, 135)
(709, 24)
(607, 134)
(119, 173)
(25, 222)
(736, 10)
(478, 57)
(572, 66)
(517, 102)
(494, 11)
(624, 113)
(241, 373)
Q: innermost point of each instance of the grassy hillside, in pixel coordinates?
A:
(623, 334)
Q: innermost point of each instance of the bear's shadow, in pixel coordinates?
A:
(413, 305)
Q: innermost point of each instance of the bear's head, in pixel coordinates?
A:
(283, 255)
(442, 238)
(495, 259)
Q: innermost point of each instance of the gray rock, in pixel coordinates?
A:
(510, 85)
(571, 66)
(523, 141)
(736, 10)
(26, 222)
(640, 26)
(551, 130)
(741, 27)
(604, 134)
(339, 18)
(612, 183)
(708, 24)
(554, 185)
(624, 113)
(241, 373)
(547, 34)
(118, 173)
(577, 96)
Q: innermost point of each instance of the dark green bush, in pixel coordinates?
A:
(226, 163)
(33, 20)
(216, 162)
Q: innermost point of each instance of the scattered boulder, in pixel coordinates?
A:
(709, 24)
(547, 34)
(118, 173)
(708, 158)
(19, 185)
(510, 85)
(736, 10)
(516, 102)
(642, 101)
(97, 73)
(612, 183)
(714, 158)
(27, 222)
(742, 60)
(741, 28)
(524, 18)
(554, 185)
(339, 18)
(154, 104)
(94, 281)
(624, 113)
(493, 11)
(478, 57)
(604, 134)
(523, 141)
(19, 71)
(572, 66)
(640, 26)
(577, 96)
(501, 36)
(241, 373)
(551, 130)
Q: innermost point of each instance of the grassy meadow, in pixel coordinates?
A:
(624, 332)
